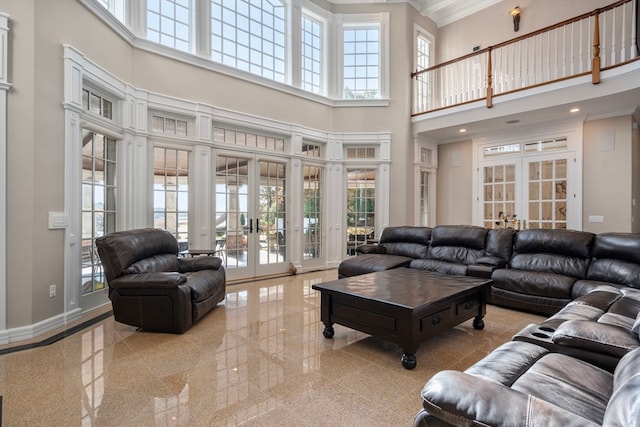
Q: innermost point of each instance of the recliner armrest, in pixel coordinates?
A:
(199, 263)
(165, 280)
(491, 261)
(596, 337)
(455, 396)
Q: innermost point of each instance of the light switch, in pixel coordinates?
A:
(596, 218)
(58, 220)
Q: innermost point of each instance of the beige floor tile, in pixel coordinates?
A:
(259, 359)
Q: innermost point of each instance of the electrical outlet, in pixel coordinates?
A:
(52, 291)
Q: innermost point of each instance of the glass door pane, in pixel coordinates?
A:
(361, 207)
(272, 215)
(547, 193)
(232, 210)
(312, 227)
(499, 194)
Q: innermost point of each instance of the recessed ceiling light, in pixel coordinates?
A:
(463, 130)
(510, 122)
(574, 110)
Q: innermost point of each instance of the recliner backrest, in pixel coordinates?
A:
(461, 244)
(121, 250)
(623, 408)
(616, 259)
(406, 241)
(499, 243)
(557, 251)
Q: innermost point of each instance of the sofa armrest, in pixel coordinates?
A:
(596, 337)
(160, 280)
(371, 248)
(454, 397)
(199, 263)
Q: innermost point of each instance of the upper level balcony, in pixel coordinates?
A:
(591, 61)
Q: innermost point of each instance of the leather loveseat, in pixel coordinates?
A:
(153, 289)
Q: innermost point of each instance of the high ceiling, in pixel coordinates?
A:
(442, 12)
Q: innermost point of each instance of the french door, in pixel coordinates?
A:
(251, 214)
(537, 189)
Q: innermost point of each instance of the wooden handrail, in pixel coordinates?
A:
(595, 12)
(460, 80)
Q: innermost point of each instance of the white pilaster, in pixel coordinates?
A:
(4, 88)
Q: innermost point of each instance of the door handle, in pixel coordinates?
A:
(258, 229)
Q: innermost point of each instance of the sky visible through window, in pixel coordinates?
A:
(361, 63)
(250, 35)
(168, 23)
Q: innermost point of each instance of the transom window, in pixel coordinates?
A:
(360, 153)
(362, 62)
(248, 139)
(97, 104)
(169, 23)
(168, 125)
(250, 35)
(311, 79)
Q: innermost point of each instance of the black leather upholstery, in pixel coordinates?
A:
(397, 247)
(523, 384)
(151, 288)
(543, 269)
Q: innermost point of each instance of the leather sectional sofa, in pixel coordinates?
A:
(580, 367)
(533, 270)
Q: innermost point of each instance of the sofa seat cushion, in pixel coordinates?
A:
(439, 266)
(568, 383)
(534, 283)
(369, 263)
(201, 282)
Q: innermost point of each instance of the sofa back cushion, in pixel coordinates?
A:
(616, 259)
(406, 241)
(558, 251)
(120, 250)
(623, 408)
(461, 244)
(499, 243)
(155, 263)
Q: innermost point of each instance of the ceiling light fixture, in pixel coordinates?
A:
(515, 12)
(574, 110)
(463, 130)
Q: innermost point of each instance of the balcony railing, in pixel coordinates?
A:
(587, 44)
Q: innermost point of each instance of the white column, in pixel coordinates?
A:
(4, 88)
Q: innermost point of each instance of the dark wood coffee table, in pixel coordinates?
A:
(403, 305)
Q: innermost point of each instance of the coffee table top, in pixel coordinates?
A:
(407, 287)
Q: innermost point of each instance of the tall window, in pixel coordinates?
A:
(423, 48)
(424, 198)
(250, 35)
(115, 7)
(361, 204)
(171, 193)
(98, 203)
(362, 62)
(311, 79)
(312, 212)
(169, 23)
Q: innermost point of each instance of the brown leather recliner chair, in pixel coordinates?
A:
(153, 289)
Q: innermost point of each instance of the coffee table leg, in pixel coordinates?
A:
(408, 360)
(328, 330)
(478, 323)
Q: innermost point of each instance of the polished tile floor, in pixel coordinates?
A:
(259, 360)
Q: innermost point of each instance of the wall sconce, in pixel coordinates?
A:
(516, 18)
